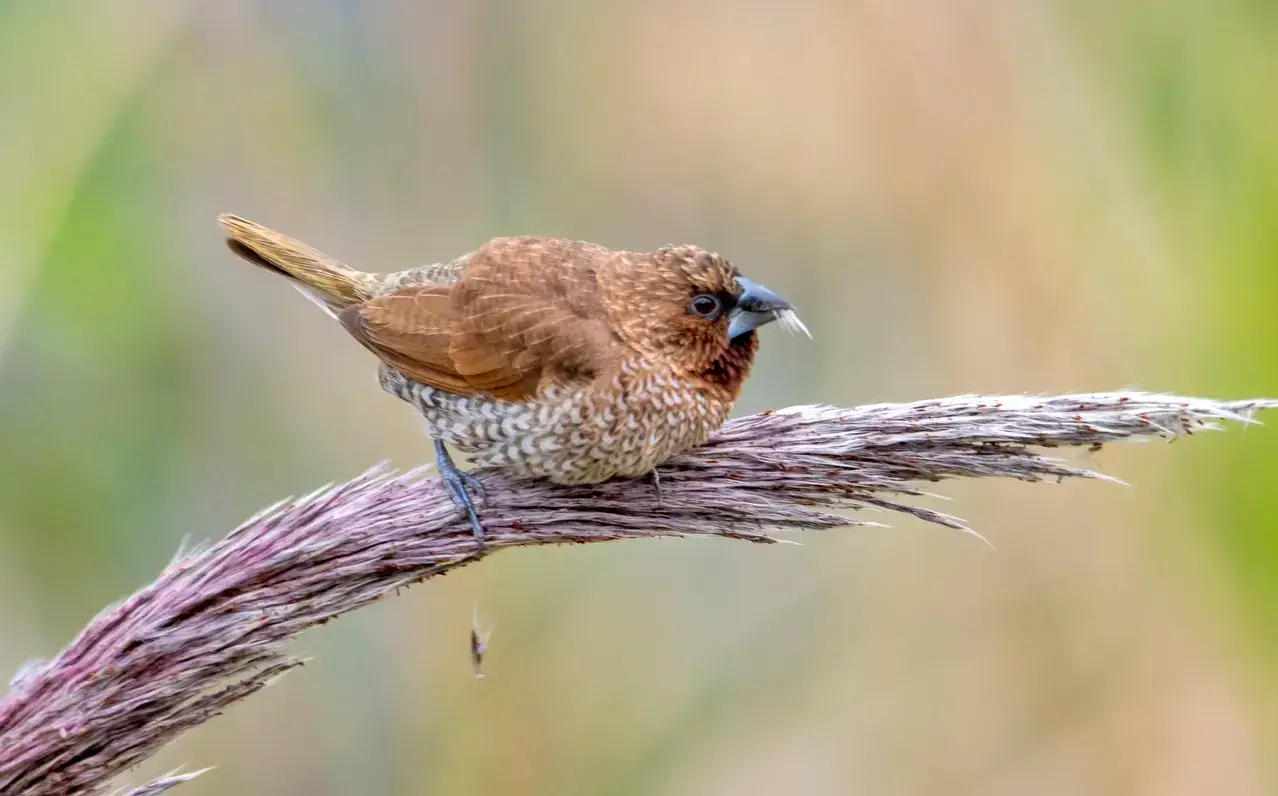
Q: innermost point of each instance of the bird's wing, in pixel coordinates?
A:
(503, 331)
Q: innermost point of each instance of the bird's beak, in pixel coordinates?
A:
(758, 306)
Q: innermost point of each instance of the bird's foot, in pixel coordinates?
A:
(656, 484)
(459, 486)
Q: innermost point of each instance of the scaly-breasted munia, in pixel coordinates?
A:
(548, 357)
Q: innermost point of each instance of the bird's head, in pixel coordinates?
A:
(693, 310)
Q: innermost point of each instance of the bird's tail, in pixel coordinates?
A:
(330, 283)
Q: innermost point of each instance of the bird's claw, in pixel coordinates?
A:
(459, 486)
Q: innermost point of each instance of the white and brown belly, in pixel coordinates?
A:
(625, 425)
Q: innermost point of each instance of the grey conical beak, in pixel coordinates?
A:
(758, 306)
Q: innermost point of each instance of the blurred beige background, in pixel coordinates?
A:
(960, 196)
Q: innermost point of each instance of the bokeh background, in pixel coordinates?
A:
(961, 195)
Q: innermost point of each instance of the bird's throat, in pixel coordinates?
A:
(732, 367)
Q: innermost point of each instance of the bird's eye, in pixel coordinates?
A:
(706, 306)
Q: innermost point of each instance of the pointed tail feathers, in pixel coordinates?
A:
(323, 279)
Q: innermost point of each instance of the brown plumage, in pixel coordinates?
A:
(553, 358)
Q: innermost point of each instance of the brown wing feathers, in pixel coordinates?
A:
(515, 320)
(411, 330)
(478, 349)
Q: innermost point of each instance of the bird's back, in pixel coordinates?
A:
(434, 274)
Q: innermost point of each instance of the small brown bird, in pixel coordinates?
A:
(551, 358)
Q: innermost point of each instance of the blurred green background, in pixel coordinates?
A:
(959, 195)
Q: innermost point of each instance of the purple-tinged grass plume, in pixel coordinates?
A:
(213, 627)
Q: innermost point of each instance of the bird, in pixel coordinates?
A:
(546, 357)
